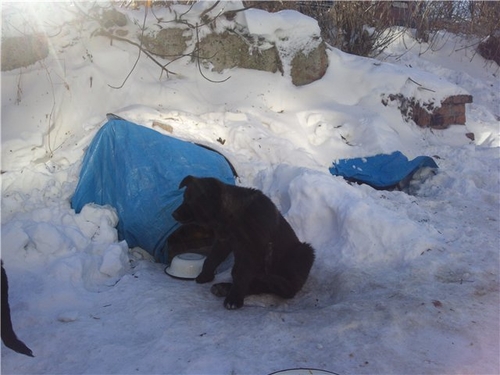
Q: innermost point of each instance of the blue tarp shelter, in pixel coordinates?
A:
(383, 171)
(137, 171)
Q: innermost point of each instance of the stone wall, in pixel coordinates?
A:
(220, 51)
(229, 50)
(311, 67)
(168, 43)
(22, 51)
(451, 111)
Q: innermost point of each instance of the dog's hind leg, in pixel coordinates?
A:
(268, 284)
(286, 279)
(221, 289)
(275, 284)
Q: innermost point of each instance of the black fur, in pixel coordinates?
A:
(189, 238)
(268, 256)
(9, 337)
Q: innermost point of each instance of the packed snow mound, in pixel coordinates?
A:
(80, 250)
(289, 30)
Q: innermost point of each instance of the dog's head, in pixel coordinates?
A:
(201, 203)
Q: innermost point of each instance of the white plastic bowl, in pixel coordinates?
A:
(186, 266)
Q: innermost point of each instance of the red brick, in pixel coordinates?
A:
(457, 99)
(460, 120)
(450, 112)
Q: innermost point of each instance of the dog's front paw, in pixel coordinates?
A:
(233, 302)
(205, 277)
(221, 289)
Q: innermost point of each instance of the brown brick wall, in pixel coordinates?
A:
(451, 111)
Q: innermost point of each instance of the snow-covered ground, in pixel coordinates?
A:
(404, 284)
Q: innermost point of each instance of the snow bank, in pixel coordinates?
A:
(401, 284)
(289, 30)
(81, 249)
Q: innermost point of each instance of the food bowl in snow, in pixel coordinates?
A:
(186, 266)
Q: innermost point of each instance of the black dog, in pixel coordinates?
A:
(268, 256)
(9, 337)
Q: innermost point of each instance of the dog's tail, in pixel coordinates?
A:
(9, 337)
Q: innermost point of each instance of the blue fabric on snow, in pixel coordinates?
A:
(137, 171)
(381, 171)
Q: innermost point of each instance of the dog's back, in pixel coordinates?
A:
(260, 221)
(250, 211)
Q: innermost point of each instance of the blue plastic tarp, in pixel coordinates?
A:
(381, 171)
(137, 171)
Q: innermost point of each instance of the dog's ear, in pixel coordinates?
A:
(186, 181)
